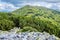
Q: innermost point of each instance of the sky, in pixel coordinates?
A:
(11, 5)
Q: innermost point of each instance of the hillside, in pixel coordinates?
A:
(32, 18)
(38, 11)
(40, 18)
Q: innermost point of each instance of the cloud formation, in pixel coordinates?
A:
(7, 6)
(10, 5)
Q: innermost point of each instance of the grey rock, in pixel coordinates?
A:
(12, 35)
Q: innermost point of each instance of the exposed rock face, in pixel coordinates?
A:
(12, 35)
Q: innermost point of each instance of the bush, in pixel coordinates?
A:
(6, 24)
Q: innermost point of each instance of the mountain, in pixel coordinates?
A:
(40, 18)
(33, 18)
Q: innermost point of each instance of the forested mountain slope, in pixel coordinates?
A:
(33, 18)
(40, 18)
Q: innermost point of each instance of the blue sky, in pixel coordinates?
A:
(11, 5)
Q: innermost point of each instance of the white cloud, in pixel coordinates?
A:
(56, 6)
(7, 6)
(45, 4)
(11, 7)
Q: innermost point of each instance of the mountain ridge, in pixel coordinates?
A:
(40, 18)
(38, 7)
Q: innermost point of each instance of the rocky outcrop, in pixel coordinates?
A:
(12, 35)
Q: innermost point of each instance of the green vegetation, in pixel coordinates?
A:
(6, 24)
(28, 29)
(32, 18)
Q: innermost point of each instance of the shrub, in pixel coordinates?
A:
(6, 24)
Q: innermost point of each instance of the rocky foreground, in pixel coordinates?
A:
(12, 35)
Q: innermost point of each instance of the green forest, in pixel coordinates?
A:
(31, 19)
